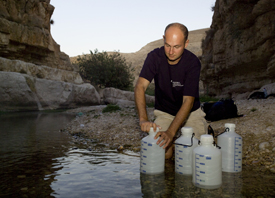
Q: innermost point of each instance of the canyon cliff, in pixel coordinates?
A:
(34, 73)
(239, 49)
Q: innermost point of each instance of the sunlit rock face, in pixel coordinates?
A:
(239, 49)
(28, 51)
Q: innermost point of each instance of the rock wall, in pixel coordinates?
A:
(34, 73)
(239, 49)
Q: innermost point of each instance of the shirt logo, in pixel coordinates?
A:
(176, 84)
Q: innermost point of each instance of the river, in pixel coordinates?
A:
(38, 160)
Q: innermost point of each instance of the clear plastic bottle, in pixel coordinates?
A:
(231, 147)
(207, 164)
(184, 148)
(152, 156)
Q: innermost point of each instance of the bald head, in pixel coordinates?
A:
(182, 28)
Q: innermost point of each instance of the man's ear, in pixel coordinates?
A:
(163, 40)
(186, 43)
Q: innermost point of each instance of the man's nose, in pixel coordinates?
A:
(171, 50)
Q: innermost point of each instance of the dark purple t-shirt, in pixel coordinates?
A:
(172, 82)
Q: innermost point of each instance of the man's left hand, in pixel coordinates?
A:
(165, 138)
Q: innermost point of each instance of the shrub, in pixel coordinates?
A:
(106, 70)
(111, 108)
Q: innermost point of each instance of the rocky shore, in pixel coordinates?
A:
(120, 129)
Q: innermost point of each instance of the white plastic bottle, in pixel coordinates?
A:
(207, 164)
(231, 147)
(184, 146)
(152, 156)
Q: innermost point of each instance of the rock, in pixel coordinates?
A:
(120, 148)
(24, 92)
(238, 51)
(25, 34)
(263, 145)
(15, 93)
(40, 71)
(122, 98)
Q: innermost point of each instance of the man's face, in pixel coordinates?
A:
(174, 44)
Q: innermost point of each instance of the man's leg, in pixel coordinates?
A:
(164, 120)
(197, 121)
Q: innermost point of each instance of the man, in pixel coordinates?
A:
(176, 72)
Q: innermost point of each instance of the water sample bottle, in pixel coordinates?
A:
(184, 148)
(152, 156)
(207, 164)
(231, 147)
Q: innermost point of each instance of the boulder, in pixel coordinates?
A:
(120, 97)
(40, 71)
(15, 93)
(24, 92)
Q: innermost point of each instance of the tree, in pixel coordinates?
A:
(106, 70)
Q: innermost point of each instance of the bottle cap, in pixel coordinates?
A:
(152, 132)
(207, 138)
(187, 131)
(231, 126)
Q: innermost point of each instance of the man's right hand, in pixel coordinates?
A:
(146, 125)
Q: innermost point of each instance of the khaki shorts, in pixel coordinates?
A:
(195, 120)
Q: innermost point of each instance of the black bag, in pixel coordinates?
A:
(222, 109)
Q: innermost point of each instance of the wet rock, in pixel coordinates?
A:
(120, 148)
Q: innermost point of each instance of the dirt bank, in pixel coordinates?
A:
(120, 129)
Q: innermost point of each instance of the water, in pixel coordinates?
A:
(37, 160)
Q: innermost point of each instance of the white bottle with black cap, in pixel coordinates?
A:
(184, 146)
(207, 164)
(231, 147)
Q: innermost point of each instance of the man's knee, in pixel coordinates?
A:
(169, 152)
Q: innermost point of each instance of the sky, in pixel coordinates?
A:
(81, 26)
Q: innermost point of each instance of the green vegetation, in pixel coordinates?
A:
(253, 109)
(150, 104)
(206, 98)
(106, 70)
(111, 108)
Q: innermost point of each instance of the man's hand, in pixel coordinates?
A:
(146, 125)
(165, 138)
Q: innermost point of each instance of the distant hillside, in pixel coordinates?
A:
(137, 58)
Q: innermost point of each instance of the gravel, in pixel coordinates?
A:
(120, 129)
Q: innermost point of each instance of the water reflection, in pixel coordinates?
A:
(39, 161)
(28, 145)
(97, 174)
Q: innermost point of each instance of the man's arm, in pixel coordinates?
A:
(167, 136)
(140, 101)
